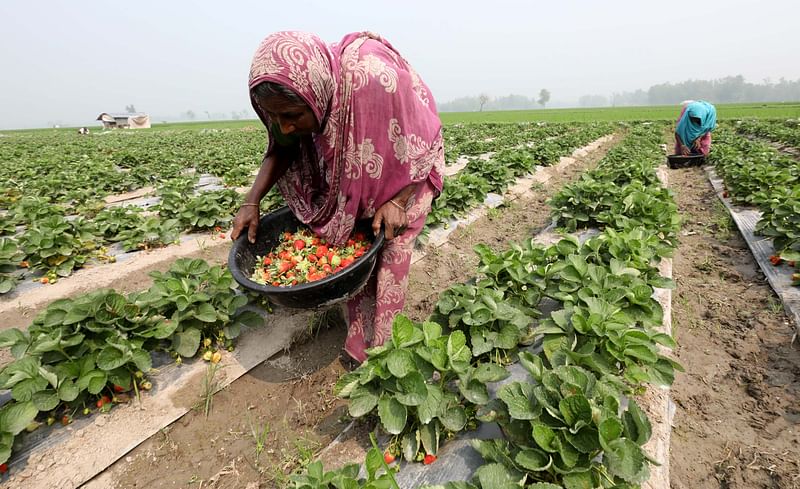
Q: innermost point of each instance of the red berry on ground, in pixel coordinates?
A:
(3, 468)
(429, 459)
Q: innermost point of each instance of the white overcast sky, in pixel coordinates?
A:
(68, 61)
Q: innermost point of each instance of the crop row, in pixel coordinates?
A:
(758, 175)
(467, 189)
(51, 234)
(779, 131)
(566, 427)
(86, 354)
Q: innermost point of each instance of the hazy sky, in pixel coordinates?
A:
(68, 61)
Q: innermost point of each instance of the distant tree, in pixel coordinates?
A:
(130, 109)
(235, 115)
(482, 98)
(544, 97)
(208, 114)
(191, 115)
(593, 101)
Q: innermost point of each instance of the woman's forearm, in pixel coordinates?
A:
(405, 193)
(272, 169)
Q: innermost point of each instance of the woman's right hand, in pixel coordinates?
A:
(247, 217)
(685, 150)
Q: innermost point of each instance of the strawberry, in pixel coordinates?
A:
(276, 284)
(118, 388)
(99, 403)
(775, 260)
(429, 459)
(791, 263)
(321, 251)
(3, 468)
(299, 244)
(359, 236)
(725, 194)
(285, 266)
(24, 264)
(327, 268)
(388, 457)
(222, 235)
(65, 420)
(287, 236)
(45, 280)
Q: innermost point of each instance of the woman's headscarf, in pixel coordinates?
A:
(688, 130)
(380, 130)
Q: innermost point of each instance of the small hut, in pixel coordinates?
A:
(124, 121)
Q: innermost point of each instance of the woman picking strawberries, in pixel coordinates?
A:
(353, 133)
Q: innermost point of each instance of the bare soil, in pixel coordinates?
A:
(291, 393)
(738, 408)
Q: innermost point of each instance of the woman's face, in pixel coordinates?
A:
(291, 117)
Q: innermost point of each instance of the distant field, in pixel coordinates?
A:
(669, 112)
(724, 111)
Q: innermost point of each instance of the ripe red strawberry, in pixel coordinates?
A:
(429, 459)
(299, 244)
(118, 388)
(775, 260)
(725, 194)
(3, 468)
(388, 457)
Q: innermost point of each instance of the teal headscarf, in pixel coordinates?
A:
(688, 130)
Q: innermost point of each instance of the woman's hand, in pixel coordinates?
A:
(696, 144)
(393, 218)
(247, 217)
(685, 150)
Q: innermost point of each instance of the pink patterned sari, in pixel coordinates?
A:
(380, 132)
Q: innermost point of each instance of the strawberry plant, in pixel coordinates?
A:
(565, 430)
(207, 210)
(491, 324)
(421, 384)
(56, 244)
(10, 258)
(150, 233)
(193, 301)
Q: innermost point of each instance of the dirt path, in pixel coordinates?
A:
(738, 404)
(296, 403)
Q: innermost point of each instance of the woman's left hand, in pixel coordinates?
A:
(393, 218)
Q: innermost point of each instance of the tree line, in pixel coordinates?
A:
(731, 89)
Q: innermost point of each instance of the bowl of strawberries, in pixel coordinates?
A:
(294, 268)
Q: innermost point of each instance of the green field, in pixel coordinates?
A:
(668, 112)
(784, 110)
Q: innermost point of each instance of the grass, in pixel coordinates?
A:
(660, 112)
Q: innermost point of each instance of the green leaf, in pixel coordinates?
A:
(579, 480)
(362, 402)
(142, 360)
(636, 424)
(431, 330)
(625, 459)
(410, 445)
(457, 350)
(11, 336)
(46, 400)
(490, 372)
(373, 463)
(110, 358)
(496, 476)
(414, 389)
(609, 430)
(431, 406)
(519, 398)
(186, 342)
(429, 436)
(454, 418)
(24, 390)
(346, 383)
(400, 363)
(404, 334)
(205, 312)
(393, 415)
(545, 437)
(574, 409)
(68, 391)
(16, 416)
(533, 460)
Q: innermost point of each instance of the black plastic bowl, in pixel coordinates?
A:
(683, 161)
(328, 291)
